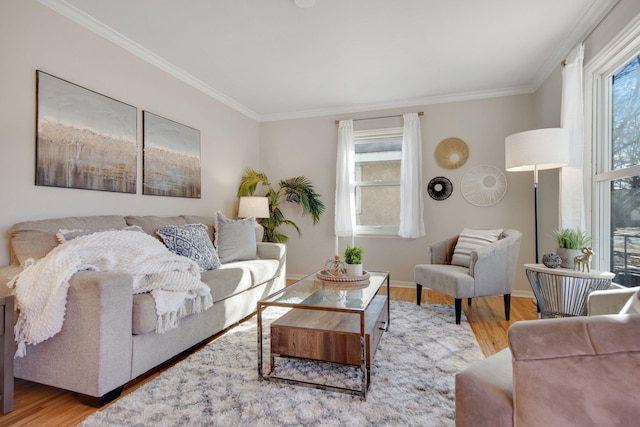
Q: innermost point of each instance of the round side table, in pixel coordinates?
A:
(561, 292)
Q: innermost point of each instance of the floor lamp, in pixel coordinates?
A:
(537, 150)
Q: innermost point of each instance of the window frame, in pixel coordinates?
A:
(372, 136)
(598, 75)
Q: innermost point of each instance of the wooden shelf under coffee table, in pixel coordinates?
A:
(328, 322)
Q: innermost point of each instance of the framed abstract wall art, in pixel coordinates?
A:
(84, 139)
(171, 158)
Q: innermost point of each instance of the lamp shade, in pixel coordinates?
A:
(257, 207)
(537, 149)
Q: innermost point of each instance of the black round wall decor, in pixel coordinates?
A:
(440, 188)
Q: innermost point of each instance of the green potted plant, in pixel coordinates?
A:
(570, 244)
(298, 190)
(353, 259)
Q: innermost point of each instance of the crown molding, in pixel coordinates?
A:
(430, 100)
(69, 11)
(585, 25)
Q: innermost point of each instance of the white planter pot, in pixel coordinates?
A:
(354, 269)
(567, 256)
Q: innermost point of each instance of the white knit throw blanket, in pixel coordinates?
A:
(41, 288)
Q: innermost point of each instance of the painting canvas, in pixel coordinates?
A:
(84, 139)
(171, 162)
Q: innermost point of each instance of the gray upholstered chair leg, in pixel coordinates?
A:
(458, 307)
(418, 293)
(507, 306)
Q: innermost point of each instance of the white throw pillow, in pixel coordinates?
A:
(633, 305)
(235, 240)
(472, 240)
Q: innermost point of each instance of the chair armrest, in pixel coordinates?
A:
(608, 301)
(441, 252)
(574, 337)
(576, 371)
(493, 266)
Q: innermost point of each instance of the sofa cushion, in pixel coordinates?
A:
(150, 224)
(65, 235)
(35, 239)
(191, 241)
(450, 279)
(472, 240)
(235, 240)
(260, 270)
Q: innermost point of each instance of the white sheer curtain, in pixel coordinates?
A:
(345, 216)
(411, 204)
(571, 203)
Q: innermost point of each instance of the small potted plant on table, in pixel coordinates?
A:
(570, 244)
(353, 259)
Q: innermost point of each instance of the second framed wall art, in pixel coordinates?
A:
(171, 158)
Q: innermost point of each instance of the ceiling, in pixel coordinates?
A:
(272, 60)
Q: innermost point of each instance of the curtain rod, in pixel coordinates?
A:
(420, 113)
(595, 27)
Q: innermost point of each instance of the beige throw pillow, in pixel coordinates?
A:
(235, 240)
(472, 240)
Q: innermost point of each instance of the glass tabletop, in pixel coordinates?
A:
(311, 292)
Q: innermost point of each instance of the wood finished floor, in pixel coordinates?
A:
(39, 405)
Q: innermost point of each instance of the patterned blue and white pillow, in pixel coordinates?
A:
(191, 241)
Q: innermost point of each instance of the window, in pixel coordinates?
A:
(377, 159)
(615, 104)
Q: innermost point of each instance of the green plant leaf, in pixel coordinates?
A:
(298, 190)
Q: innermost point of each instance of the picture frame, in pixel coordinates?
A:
(171, 158)
(84, 140)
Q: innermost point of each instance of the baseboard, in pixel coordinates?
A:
(412, 285)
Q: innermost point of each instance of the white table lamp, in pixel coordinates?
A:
(257, 207)
(536, 150)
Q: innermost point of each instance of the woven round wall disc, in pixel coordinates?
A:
(451, 153)
(440, 188)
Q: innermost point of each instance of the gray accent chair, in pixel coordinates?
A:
(491, 271)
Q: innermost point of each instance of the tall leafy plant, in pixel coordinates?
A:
(298, 190)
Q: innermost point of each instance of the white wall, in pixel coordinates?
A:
(34, 37)
(308, 147)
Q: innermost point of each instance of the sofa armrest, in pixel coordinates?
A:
(609, 301)
(7, 273)
(441, 252)
(576, 371)
(267, 250)
(91, 355)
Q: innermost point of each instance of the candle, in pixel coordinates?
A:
(337, 251)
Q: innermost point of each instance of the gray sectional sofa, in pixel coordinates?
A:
(108, 337)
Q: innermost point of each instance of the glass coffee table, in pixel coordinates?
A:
(337, 322)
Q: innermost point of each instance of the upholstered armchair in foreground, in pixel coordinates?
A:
(462, 268)
(575, 371)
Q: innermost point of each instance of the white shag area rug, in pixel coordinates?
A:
(412, 381)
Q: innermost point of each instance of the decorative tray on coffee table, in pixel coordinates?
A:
(327, 276)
